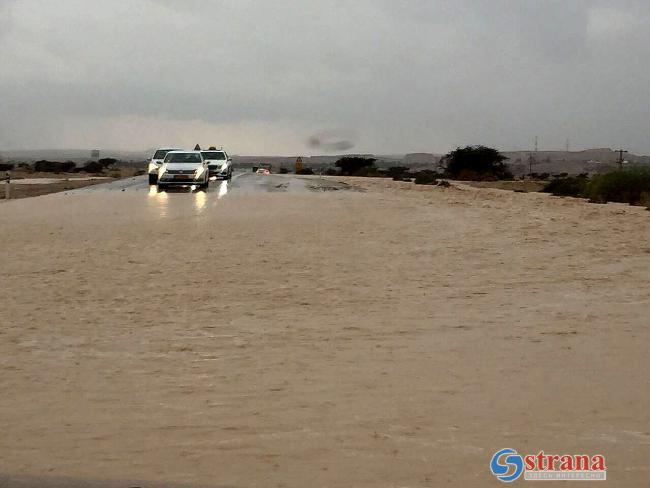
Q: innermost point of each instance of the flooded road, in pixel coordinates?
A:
(243, 183)
(269, 333)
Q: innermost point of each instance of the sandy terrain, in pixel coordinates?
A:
(390, 338)
(519, 185)
(26, 183)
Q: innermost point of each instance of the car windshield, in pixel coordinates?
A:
(160, 154)
(192, 158)
(214, 155)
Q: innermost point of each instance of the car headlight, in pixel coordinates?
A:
(224, 166)
(161, 170)
(153, 167)
(199, 172)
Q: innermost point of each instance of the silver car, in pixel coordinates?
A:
(184, 168)
(219, 163)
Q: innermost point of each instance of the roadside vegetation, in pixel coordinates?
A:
(485, 164)
(568, 186)
(357, 166)
(629, 186)
(103, 167)
(471, 163)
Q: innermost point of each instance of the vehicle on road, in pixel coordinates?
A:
(219, 164)
(263, 171)
(183, 168)
(156, 162)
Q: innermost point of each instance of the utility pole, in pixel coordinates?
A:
(620, 157)
(531, 161)
(568, 145)
(535, 143)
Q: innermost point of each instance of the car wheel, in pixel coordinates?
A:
(153, 179)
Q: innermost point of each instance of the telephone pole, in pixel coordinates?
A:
(620, 157)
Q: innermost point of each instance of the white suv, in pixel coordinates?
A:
(219, 163)
(156, 162)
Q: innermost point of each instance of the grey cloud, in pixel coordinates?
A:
(407, 76)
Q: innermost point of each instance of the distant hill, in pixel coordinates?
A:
(76, 155)
(590, 161)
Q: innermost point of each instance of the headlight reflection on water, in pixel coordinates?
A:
(223, 190)
(200, 200)
(159, 201)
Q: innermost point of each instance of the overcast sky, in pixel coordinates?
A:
(262, 77)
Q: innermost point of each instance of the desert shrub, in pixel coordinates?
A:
(396, 172)
(283, 170)
(571, 186)
(426, 177)
(92, 167)
(107, 161)
(369, 172)
(54, 166)
(444, 184)
(6, 166)
(331, 172)
(305, 171)
(631, 187)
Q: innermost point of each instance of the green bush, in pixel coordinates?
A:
(571, 186)
(476, 163)
(305, 171)
(632, 186)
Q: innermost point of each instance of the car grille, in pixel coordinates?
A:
(180, 171)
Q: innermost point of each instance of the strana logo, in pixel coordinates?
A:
(508, 466)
